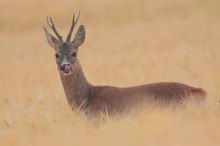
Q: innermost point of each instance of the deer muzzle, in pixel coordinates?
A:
(66, 68)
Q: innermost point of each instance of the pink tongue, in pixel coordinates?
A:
(67, 68)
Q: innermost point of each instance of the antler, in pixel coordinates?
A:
(51, 25)
(68, 38)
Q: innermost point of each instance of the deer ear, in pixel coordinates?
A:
(80, 36)
(52, 41)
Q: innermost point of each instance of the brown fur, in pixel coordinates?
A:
(94, 99)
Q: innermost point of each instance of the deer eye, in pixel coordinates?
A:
(73, 54)
(57, 55)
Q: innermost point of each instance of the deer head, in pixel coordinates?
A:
(65, 51)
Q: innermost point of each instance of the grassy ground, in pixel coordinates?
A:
(128, 43)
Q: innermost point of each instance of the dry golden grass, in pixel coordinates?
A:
(128, 43)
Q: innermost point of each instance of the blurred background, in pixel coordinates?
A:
(127, 43)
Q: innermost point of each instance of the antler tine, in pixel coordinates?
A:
(52, 26)
(74, 21)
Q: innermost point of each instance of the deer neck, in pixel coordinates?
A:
(76, 87)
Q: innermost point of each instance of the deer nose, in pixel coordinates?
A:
(66, 68)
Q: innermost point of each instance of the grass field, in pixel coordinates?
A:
(127, 43)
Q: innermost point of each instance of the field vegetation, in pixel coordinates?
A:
(128, 43)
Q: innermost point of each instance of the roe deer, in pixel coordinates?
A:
(92, 99)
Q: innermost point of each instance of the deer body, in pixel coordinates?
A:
(94, 99)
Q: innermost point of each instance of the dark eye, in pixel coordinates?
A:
(57, 55)
(73, 54)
